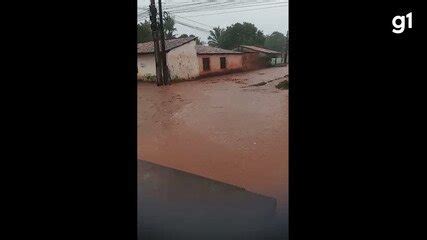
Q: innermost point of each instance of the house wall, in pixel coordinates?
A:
(233, 62)
(182, 61)
(263, 55)
(146, 65)
(253, 61)
(277, 61)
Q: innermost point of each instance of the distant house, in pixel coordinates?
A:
(181, 58)
(256, 57)
(214, 60)
(261, 51)
(187, 60)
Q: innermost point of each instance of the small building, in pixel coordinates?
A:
(214, 60)
(181, 58)
(258, 57)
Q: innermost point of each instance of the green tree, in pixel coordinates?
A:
(215, 37)
(241, 34)
(144, 32)
(287, 41)
(168, 26)
(276, 41)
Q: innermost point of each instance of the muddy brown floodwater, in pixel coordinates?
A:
(220, 128)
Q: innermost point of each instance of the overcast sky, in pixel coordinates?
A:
(269, 16)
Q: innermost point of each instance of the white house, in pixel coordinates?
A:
(181, 57)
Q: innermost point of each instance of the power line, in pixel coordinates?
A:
(237, 11)
(227, 7)
(218, 7)
(192, 20)
(183, 4)
(207, 6)
(192, 26)
(142, 13)
(190, 6)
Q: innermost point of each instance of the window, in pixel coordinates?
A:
(223, 62)
(206, 64)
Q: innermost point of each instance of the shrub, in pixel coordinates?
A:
(283, 85)
(149, 78)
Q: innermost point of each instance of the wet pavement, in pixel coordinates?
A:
(222, 129)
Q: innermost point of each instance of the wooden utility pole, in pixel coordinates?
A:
(165, 69)
(287, 47)
(154, 30)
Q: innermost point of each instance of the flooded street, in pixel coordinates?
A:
(220, 128)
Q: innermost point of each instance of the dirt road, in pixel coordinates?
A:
(220, 128)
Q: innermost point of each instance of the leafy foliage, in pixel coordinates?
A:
(228, 38)
(214, 38)
(168, 26)
(283, 85)
(246, 34)
(241, 34)
(144, 32)
(276, 41)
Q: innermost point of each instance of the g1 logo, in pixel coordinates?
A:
(399, 23)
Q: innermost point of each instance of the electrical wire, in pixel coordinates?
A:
(237, 11)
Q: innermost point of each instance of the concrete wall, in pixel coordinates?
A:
(182, 61)
(276, 61)
(233, 62)
(252, 61)
(146, 65)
